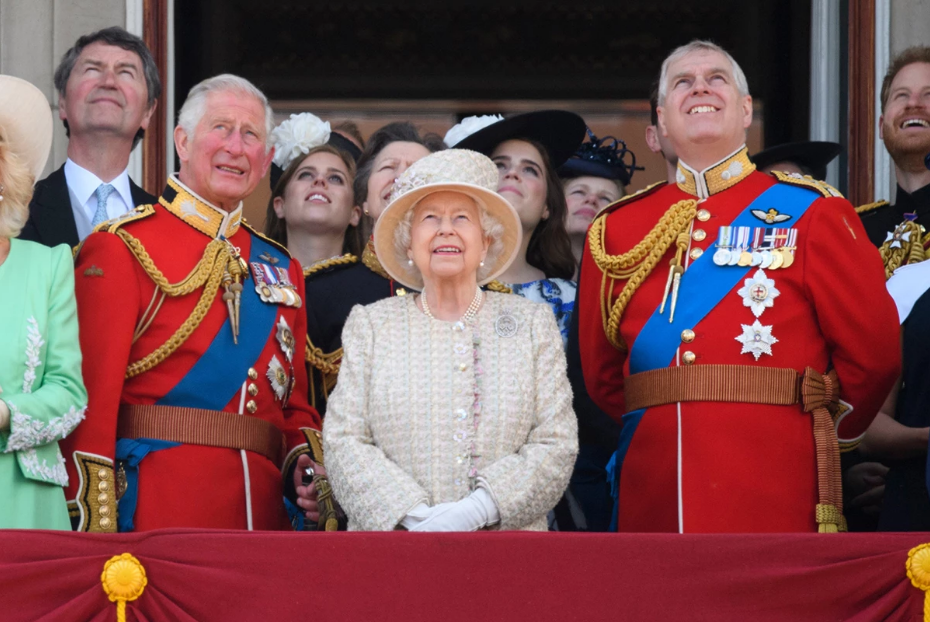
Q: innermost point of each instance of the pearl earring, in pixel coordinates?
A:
(481, 263)
(409, 262)
(1, 191)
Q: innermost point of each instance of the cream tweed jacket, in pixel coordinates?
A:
(424, 410)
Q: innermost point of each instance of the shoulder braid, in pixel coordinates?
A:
(636, 195)
(258, 233)
(344, 260)
(871, 207)
(634, 265)
(807, 181)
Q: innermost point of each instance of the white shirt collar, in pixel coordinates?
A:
(907, 285)
(84, 184)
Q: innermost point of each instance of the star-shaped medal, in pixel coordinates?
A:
(758, 292)
(757, 339)
(279, 378)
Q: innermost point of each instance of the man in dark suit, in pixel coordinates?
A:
(108, 88)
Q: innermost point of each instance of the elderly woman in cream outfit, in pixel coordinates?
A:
(452, 411)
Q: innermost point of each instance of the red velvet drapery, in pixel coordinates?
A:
(222, 575)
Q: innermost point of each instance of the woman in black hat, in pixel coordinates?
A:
(593, 178)
(527, 149)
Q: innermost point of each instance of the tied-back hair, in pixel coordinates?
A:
(16, 181)
(550, 248)
(276, 228)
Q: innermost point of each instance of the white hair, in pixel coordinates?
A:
(195, 105)
(699, 45)
(490, 226)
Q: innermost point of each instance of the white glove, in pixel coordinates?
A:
(422, 512)
(4, 415)
(475, 511)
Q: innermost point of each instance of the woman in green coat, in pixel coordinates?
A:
(42, 395)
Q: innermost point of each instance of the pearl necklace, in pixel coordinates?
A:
(470, 312)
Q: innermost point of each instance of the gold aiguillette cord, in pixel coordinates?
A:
(675, 270)
(236, 270)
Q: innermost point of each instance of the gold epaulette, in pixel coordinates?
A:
(869, 207)
(112, 225)
(370, 260)
(806, 181)
(636, 195)
(497, 286)
(345, 260)
(258, 233)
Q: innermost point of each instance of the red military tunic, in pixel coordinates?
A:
(729, 466)
(124, 318)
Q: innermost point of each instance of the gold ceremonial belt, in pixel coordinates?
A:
(817, 393)
(199, 426)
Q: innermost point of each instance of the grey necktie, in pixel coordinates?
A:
(103, 192)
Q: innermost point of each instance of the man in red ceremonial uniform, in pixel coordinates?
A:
(734, 323)
(191, 329)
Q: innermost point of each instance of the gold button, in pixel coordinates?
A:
(105, 522)
(253, 374)
(703, 215)
(103, 486)
(104, 510)
(687, 335)
(103, 498)
(251, 406)
(699, 235)
(688, 357)
(696, 252)
(103, 474)
(253, 389)
(400, 291)
(462, 366)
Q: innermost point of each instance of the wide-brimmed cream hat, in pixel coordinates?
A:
(452, 170)
(26, 122)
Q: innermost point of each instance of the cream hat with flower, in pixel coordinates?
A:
(26, 122)
(452, 170)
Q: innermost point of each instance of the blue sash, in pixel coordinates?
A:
(702, 287)
(129, 453)
(216, 377)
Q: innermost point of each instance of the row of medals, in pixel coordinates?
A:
(769, 259)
